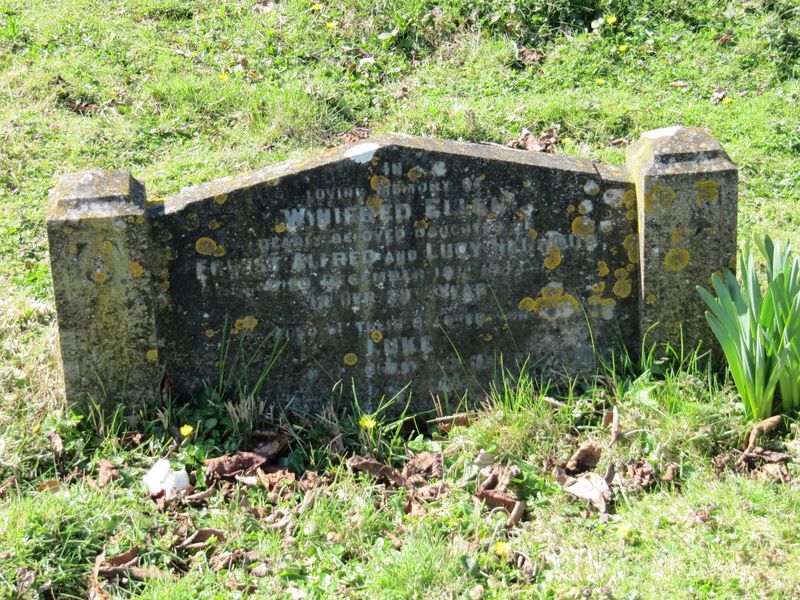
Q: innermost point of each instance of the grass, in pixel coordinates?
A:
(181, 92)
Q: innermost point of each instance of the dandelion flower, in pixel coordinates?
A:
(367, 422)
(611, 19)
(623, 48)
(599, 81)
(331, 24)
(224, 77)
(501, 548)
(186, 430)
(316, 6)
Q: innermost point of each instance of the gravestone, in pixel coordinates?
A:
(399, 264)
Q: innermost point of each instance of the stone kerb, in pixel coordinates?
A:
(100, 253)
(687, 208)
(396, 260)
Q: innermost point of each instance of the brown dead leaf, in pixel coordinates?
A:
(497, 499)
(759, 429)
(422, 467)
(585, 458)
(516, 514)
(414, 507)
(107, 472)
(264, 7)
(198, 498)
(719, 94)
(725, 38)
(529, 56)
(445, 424)
(230, 465)
(528, 141)
(125, 559)
(524, 563)
(377, 469)
(225, 560)
(269, 443)
(638, 475)
(587, 486)
(51, 485)
(311, 480)
(618, 143)
(614, 426)
(400, 94)
(776, 472)
(201, 539)
(24, 580)
(671, 472)
(281, 480)
(6, 485)
(122, 565)
(355, 134)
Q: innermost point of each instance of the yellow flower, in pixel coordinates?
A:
(623, 48)
(367, 422)
(599, 81)
(610, 19)
(726, 100)
(317, 6)
(501, 549)
(331, 24)
(224, 77)
(186, 430)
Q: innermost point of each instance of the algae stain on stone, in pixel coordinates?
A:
(707, 191)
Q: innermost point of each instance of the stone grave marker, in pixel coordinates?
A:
(396, 264)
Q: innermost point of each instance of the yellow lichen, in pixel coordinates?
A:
(205, 246)
(415, 173)
(154, 201)
(376, 336)
(533, 234)
(554, 304)
(582, 227)
(598, 287)
(603, 307)
(246, 323)
(707, 191)
(676, 259)
(280, 227)
(526, 303)
(622, 288)
(421, 224)
(487, 337)
(602, 268)
(629, 199)
(650, 298)
(219, 252)
(137, 270)
(106, 247)
(210, 333)
(350, 359)
(376, 182)
(214, 224)
(100, 276)
(631, 245)
(676, 236)
(152, 354)
(221, 198)
(553, 257)
(660, 197)
(606, 226)
(631, 214)
(570, 209)
(165, 285)
(375, 203)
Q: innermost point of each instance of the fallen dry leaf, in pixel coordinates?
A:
(263, 7)
(375, 468)
(759, 429)
(445, 424)
(528, 141)
(269, 443)
(355, 134)
(51, 485)
(670, 473)
(400, 94)
(422, 467)
(529, 56)
(497, 499)
(585, 458)
(614, 426)
(725, 38)
(230, 465)
(107, 472)
(198, 498)
(122, 565)
(201, 539)
(6, 485)
(638, 475)
(719, 94)
(24, 580)
(587, 486)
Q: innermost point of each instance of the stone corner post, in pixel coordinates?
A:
(686, 188)
(100, 256)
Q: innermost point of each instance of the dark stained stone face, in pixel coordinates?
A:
(398, 261)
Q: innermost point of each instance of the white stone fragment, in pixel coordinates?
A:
(161, 478)
(362, 153)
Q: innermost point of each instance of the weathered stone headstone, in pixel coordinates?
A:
(399, 263)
